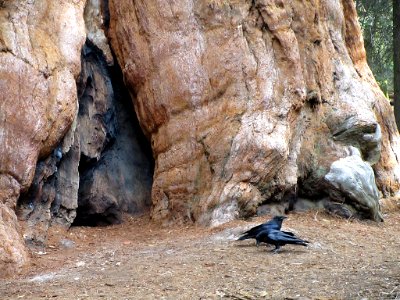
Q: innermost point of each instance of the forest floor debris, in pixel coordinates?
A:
(139, 260)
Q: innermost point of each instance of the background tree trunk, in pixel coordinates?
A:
(396, 59)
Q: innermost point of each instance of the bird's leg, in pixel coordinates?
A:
(276, 250)
(257, 243)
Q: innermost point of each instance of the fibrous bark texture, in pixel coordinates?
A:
(40, 44)
(249, 105)
(247, 102)
(101, 168)
(83, 166)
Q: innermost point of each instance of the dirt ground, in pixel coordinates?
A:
(139, 260)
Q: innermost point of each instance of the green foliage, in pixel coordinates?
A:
(375, 17)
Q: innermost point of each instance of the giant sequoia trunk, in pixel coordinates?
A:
(248, 105)
(40, 44)
(251, 102)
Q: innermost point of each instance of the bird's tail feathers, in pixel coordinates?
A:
(243, 237)
(293, 240)
(292, 235)
(300, 242)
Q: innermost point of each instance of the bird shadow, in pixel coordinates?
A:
(269, 249)
(285, 251)
(245, 245)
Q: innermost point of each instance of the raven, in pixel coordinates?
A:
(278, 238)
(274, 223)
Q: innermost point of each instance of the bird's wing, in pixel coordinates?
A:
(289, 233)
(271, 224)
(280, 236)
(253, 230)
(262, 235)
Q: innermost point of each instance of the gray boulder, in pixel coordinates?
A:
(352, 183)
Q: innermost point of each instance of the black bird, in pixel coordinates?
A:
(275, 223)
(278, 238)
